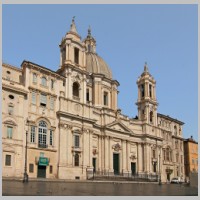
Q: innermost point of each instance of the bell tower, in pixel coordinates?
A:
(147, 103)
(72, 49)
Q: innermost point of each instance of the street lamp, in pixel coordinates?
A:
(25, 179)
(159, 172)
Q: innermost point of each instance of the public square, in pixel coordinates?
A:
(90, 188)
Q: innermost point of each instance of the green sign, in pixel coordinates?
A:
(43, 161)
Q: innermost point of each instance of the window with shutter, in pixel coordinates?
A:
(8, 160)
(51, 103)
(9, 132)
(34, 78)
(44, 81)
(43, 100)
(33, 97)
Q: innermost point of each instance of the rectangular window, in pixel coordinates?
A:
(76, 55)
(87, 95)
(43, 100)
(9, 132)
(31, 168)
(32, 139)
(51, 138)
(76, 160)
(33, 97)
(8, 160)
(34, 78)
(50, 169)
(142, 90)
(10, 110)
(44, 81)
(52, 84)
(76, 141)
(181, 159)
(51, 103)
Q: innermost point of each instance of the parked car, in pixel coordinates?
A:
(174, 180)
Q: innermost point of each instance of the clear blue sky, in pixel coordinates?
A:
(164, 36)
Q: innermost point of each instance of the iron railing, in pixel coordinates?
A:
(105, 175)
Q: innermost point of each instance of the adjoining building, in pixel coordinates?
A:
(74, 126)
(190, 156)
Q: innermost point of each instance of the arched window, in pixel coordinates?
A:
(151, 117)
(150, 90)
(42, 134)
(142, 90)
(75, 89)
(44, 81)
(105, 98)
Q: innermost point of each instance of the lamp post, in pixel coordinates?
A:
(25, 179)
(159, 171)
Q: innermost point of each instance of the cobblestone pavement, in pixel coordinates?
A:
(89, 188)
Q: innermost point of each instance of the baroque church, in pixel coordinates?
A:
(66, 124)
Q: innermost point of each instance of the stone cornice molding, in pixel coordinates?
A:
(14, 89)
(41, 91)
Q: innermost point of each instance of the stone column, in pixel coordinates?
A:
(146, 89)
(106, 161)
(110, 157)
(102, 153)
(67, 145)
(84, 90)
(61, 61)
(62, 146)
(139, 93)
(124, 157)
(128, 163)
(145, 157)
(99, 155)
(67, 52)
(140, 158)
(69, 85)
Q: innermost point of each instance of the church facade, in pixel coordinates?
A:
(73, 126)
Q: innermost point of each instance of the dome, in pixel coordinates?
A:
(95, 64)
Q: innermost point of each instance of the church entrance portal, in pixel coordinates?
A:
(116, 163)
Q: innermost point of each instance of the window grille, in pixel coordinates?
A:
(34, 97)
(8, 160)
(43, 100)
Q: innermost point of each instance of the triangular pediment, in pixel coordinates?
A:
(119, 126)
